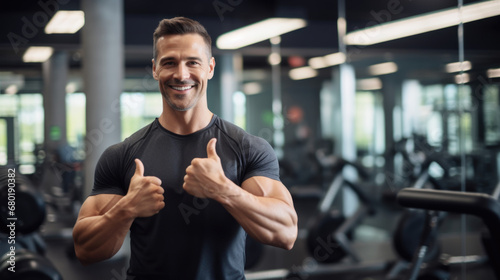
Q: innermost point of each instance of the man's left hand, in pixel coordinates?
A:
(205, 177)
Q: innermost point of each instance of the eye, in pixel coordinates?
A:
(193, 63)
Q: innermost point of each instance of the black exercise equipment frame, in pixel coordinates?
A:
(367, 207)
(481, 205)
(341, 234)
(418, 221)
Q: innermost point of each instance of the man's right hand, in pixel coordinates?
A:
(145, 194)
(105, 219)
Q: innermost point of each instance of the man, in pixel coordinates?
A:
(189, 186)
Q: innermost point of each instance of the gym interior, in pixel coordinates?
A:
(384, 115)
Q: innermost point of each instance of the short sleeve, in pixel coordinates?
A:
(262, 160)
(108, 178)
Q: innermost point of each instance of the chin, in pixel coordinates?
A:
(179, 107)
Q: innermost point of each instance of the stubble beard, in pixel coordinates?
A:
(180, 97)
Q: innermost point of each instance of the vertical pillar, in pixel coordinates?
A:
(278, 123)
(391, 93)
(410, 96)
(477, 114)
(103, 68)
(55, 77)
(346, 88)
(12, 137)
(231, 65)
(344, 91)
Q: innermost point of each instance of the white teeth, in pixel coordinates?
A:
(181, 88)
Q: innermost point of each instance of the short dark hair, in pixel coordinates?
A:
(180, 26)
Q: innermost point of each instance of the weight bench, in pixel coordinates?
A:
(481, 205)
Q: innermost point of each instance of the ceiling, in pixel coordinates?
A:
(420, 54)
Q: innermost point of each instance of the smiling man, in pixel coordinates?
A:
(189, 186)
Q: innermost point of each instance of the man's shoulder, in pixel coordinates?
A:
(118, 158)
(232, 130)
(243, 139)
(131, 141)
(140, 134)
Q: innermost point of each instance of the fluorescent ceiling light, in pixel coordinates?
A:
(423, 23)
(335, 58)
(462, 78)
(37, 54)
(383, 68)
(258, 32)
(493, 73)
(252, 88)
(68, 22)
(327, 60)
(302, 73)
(458, 66)
(317, 62)
(369, 84)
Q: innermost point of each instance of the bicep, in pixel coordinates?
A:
(98, 205)
(267, 187)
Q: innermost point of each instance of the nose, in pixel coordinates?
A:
(182, 72)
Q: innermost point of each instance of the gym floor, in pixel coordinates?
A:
(372, 241)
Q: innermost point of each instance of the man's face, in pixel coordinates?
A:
(183, 68)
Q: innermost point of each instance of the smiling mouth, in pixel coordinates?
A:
(181, 88)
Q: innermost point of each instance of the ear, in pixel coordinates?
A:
(211, 66)
(155, 76)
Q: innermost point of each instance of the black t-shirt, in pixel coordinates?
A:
(191, 238)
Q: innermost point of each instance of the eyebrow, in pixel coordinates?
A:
(168, 58)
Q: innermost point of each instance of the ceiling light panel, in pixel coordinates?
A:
(258, 32)
(301, 73)
(65, 22)
(458, 66)
(383, 68)
(493, 73)
(423, 23)
(37, 54)
(327, 60)
(369, 84)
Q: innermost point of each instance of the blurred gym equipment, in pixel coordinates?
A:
(330, 232)
(331, 226)
(481, 205)
(28, 215)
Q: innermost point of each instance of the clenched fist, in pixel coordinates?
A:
(145, 194)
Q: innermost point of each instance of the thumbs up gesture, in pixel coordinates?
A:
(205, 176)
(145, 194)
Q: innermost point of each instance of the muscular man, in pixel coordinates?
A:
(189, 186)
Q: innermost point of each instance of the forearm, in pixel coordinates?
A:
(98, 238)
(268, 220)
(262, 206)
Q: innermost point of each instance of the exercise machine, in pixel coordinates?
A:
(22, 249)
(481, 205)
(330, 226)
(328, 240)
(418, 226)
(412, 222)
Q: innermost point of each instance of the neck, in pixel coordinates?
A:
(184, 122)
